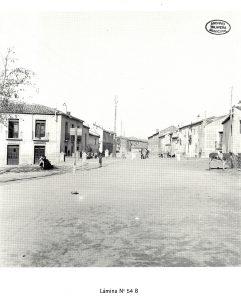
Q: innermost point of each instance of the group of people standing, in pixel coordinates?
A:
(98, 155)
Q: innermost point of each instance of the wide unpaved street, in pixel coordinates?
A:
(129, 213)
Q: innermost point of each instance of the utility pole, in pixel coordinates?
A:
(75, 149)
(121, 129)
(75, 132)
(75, 145)
(114, 146)
(203, 139)
(231, 120)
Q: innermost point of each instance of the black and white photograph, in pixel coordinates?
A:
(120, 141)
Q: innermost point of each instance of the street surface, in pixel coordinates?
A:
(153, 212)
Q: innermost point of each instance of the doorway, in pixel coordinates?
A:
(38, 152)
(13, 154)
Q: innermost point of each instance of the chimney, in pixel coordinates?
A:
(157, 130)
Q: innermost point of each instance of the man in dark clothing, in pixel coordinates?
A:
(100, 159)
(45, 164)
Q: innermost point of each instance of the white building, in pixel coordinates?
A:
(30, 131)
(202, 137)
(106, 138)
(232, 131)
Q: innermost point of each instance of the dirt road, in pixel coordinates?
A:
(132, 213)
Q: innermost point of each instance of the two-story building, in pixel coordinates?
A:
(232, 131)
(202, 137)
(106, 140)
(167, 141)
(122, 145)
(93, 143)
(30, 131)
(85, 137)
(153, 143)
(137, 143)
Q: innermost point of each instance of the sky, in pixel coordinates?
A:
(164, 67)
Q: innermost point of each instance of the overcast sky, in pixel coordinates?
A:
(164, 67)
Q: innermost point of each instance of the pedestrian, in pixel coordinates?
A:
(100, 159)
(142, 156)
(106, 153)
(84, 156)
(44, 163)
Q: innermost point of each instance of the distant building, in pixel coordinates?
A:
(128, 144)
(122, 145)
(202, 137)
(167, 141)
(93, 144)
(137, 144)
(85, 137)
(106, 140)
(31, 131)
(153, 144)
(232, 131)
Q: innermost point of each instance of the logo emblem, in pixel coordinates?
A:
(218, 27)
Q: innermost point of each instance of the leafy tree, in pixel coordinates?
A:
(13, 81)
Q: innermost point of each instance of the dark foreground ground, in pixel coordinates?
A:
(129, 213)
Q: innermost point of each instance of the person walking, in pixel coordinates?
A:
(106, 153)
(84, 156)
(100, 159)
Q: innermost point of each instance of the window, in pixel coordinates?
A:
(72, 125)
(13, 129)
(40, 128)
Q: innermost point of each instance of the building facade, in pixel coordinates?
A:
(167, 141)
(200, 138)
(93, 144)
(137, 144)
(232, 131)
(106, 138)
(85, 138)
(153, 144)
(122, 145)
(30, 131)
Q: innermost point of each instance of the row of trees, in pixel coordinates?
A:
(13, 80)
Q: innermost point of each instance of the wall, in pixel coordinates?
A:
(85, 138)
(108, 141)
(67, 142)
(236, 148)
(138, 144)
(94, 143)
(165, 144)
(27, 139)
(153, 145)
(232, 144)
(190, 140)
(122, 145)
(99, 131)
(212, 137)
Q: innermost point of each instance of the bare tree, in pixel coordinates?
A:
(13, 81)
